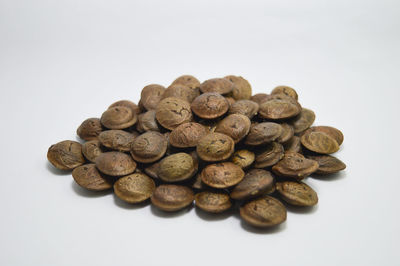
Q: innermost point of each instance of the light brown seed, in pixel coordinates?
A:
(334, 133)
(222, 175)
(214, 202)
(118, 140)
(188, 81)
(187, 135)
(279, 106)
(147, 122)
(218, 85)
(268, 155)
(126, 103)
(176, 167)
(149, 147)
(118, 117)
(288, 91)
(236, 126)
(242, 89)
(91, 150)
(318, 141)
(259, 98)
(115, 163)
(181, 91)
(151, 95)
(302, 121)
(215, 147)
(327, 164)
(66, 155)
(134, 188)
(87, 176)
(255, 183)
(297, 193)
(152, 170)
(295, 165)
(172, 197)
(210, 105)
(244, 107)
(89, 129)
(243, 158)
(263, 133)
(172, 112)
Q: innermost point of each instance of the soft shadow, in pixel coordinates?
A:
(213, 216)
(164, 214)
(263, 231)
(301, 210)
(330, 177)
(56, 171)
(88, 193)
(130, 206)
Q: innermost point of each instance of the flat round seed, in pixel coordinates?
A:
(134, 188)
(327, 164)
(118, 140)
(244, 107)
(255, 183)
(172, 112)
(89, 129)
(235, 126)
(181, 91)
(126, 103)
(288, 91)
(279, 106)
(215, 147)
(242, 89)
(187, 135)
(263, 133)
(295, 165)
(91, 150)
(218, 85)
(222, 175)
(334, 133)
(149, 147)
(259, 98)
(210, 105)
(297, 193)
(214, 202)
(152, 170)
(115, 163)
(294, 144)
(118, 117)
(151, 96)
(263, 212)
(188, 81)
(243, 158)
(87, 176)
(172, 197)
(147, 122)
(303, 121)
(230, 100)
(287, 133)
(176, 167)
(318, 141)
(269, 155)
(66, 155)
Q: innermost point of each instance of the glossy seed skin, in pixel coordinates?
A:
(214, 202)
(115, 163)
(134, 188)
(171, 198)
(297, 193)
(222, 175)
(66, 155)
(88, 177)
(215, 147)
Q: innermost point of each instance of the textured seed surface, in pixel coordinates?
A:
(243, 158)
(288, 91)
(187, 135)
(87, 176)
(303, 121)
(172, 197)
(259, 98)
(218, 85)
(222, 175)
(255, 183)
(214, 202)
(151, 95)
(147, 122)
(134, 188)
(242, 89)
(287, 133)
(91, 150)
(176, 167)
(263, 212)
(318, 141)
(294, 144)
(172, 112)
(118, 140)
(126, 103)
(66, 155)
(244, 107)
(295, 165)
(210, 105)
(327, 164)
(334, 133)
(279, 106)
(236, 126)
(115, 163)
(187, 80)
(181, 91)
(215, 147)
(149, 147)
(152, 170)
(268, 155)
(118, 117)
(89, 129)
(297, 193)
(263, 133)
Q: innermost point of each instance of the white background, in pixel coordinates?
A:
(64, 61)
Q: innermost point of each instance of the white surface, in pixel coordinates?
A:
(64, 61)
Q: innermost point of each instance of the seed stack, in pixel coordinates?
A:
(213, 143)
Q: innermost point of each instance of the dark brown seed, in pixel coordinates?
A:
(118, 140)
(255, 183)
(187, 135)
(134, 188)
(215, 147)
(287, 133)
(152, 170)
(147, 122)
(334, 133)
(87, 176)
(125, 103)
(172, 197)
(243, 158)
(118, 117)
(176, 167)
(235, 126)
(66, 155)
(319, 141)
(214, 202)
(115, 163)
(297, 193)
(188, 81)
(294, 144)
(288, 91)
(210, 105)
(279, 106)
(295, 165)
(91, 150)
(263, 133)
(151, 95)
(303, 121)
(259, 98)
(244, 107)
(172, 112)
(218, 85)
(263, 212)
(149, 147)
(182, 92)
(89, 129)
(242, 89)
(269, 155)
(222, 175)
(327, 164)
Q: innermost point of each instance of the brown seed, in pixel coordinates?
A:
(215, 147)
(214, 202)
(242, 89)
(198, 184)
(319, 141)
(327, 164)
(295, 165)
(279, 106)
(230, 100)
(172, 197)
(269, 155)
(152, 170)
(222, 175)
(255, 183)
(235, 126)
(172, 112)
(244, 107)
(89, 129)
(297, 193)
(334, 133)
(263, 212)
(187, 135)
(210, 105)
(259, 98)
(149, 147)
(288, 91)
(134, 188)
(115, 163)
(176, 167)
(287, 133)
(294, 144)
(118, 117)
(66, 155)
(87, 176)
(126, 103)
(147, 122)
(218, 85)
(91, 150)
(181, 91)
(303, 121)
(243, 158)
(188, 81)
(263, 133)
(118, 140)
(151, 95)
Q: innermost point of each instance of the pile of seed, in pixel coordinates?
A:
(213, 143)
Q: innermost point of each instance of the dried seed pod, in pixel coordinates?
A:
(327, 164)
(235, 126)
(87, 176)
(269, 155)
(279, 106)
(297, 193)
(210, 105)
(118, 117)
(222, 175)
(118, 140)
(214, 202)
(172, 112)
(66, 155)
(215, 147)
(263, 133)
(147, 122)
(91, 150)
(319, 141)
(255, 183)
(115, 163)
(288, 91)
(172, 197)
(242, 89)
(295, 165)
(244, 107)
(126, 103)
(187, 135)
(143, 152)
(218, 85)
(243, 158)
(134, 188)
(151, 95)
(176, 167)
(89, 129)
